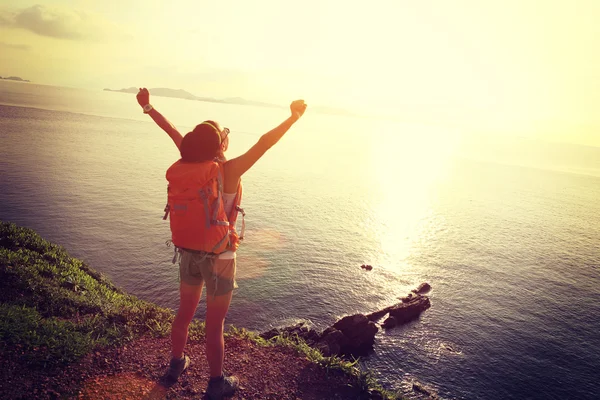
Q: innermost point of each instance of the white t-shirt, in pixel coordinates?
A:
(228, 199)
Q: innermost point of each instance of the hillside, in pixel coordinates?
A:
(66, 331)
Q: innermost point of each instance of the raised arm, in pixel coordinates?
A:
(143, 98)
(239, 165)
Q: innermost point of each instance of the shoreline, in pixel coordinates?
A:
(67, 331)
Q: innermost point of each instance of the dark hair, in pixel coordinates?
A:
(201, 144)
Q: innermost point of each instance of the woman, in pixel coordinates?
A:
(195, 269)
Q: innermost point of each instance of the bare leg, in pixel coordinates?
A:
(216, 310)
(189, 296)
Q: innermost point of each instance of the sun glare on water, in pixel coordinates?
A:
(407, 172)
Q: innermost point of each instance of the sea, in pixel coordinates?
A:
(505, 228)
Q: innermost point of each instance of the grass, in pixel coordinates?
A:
(54, 309)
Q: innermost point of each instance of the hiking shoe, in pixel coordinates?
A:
(221, 387)
(177, 366)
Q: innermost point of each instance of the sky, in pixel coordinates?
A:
(521, 66)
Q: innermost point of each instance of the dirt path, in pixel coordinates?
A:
(134, 372)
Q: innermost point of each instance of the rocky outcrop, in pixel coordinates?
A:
(354, 335)
(409, 309)
(406, 311)
(359, 334)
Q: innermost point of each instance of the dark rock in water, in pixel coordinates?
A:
(367, 267)
(405, 312)
(377, 315)
(351, 335)
(359, 333)
(355, 334)
(422, 288)
(349, 322)
(411, 307)
(390, 322)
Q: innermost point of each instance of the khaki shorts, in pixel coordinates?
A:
(218, 273)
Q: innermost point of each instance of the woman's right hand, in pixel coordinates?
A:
(297, 108)
(143, 97)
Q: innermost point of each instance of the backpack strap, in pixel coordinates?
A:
(204, 198)
(218, 200)
(167, 207)
(218, 245)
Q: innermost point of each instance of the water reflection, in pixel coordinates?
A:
(407, 172)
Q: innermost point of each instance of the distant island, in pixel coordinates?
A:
(182, 94)
(14, 78)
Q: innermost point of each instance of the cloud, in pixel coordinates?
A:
(61, 23)
(14, 46)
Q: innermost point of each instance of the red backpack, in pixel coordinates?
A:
(195, 208)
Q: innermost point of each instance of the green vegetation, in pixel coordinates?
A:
(54, 309)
